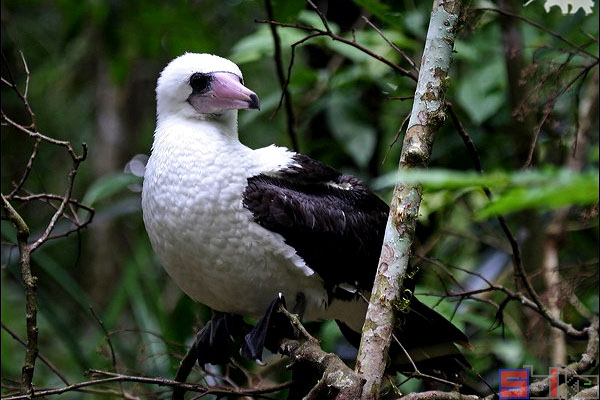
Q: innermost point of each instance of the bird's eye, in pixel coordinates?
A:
(200, 82)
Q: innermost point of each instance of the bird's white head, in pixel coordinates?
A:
(202, 87)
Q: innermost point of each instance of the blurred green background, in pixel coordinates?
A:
(94, 65)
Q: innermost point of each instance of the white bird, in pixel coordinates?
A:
(234, 227)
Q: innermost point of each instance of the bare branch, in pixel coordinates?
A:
(439, 395)
(549, 106)
(291, 119)
(520, 272)
(396, 137)
(40, 356)
(28, 168)
(538, 26)
(320, 32)
(29, 281)
(9, 213)
(426, 117)
(338, 382)
(116, 377)
(392, 45)
(110, 345)
(321, 16)
(38, 135)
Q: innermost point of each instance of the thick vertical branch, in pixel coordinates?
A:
(29, 281)
(426, 116)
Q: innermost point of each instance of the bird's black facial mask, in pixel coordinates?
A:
(220, 91)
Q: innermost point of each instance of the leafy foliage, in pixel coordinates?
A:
(516, 191)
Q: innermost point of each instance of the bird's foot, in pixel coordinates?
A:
(213, 345)
(215, 340)
(271, 327)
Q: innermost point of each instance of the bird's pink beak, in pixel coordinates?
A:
(229, 93)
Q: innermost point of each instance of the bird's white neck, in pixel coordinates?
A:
(225, 123)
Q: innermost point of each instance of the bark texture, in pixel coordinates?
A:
(387, 297)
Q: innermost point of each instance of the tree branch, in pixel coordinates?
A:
(41, 357)
(338, 381)
(291, 119)
(426, 117)
(29, 281)
(10, 214)
(321, 32)
(535, 302)
(117, 377)
(538, 26)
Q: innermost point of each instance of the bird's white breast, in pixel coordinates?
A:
(205, 238)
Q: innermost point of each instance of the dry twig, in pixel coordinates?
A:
(23, 233)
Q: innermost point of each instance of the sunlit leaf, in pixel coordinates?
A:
(581, 190)
(514, 191)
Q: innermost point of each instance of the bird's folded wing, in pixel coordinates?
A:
(334, 222)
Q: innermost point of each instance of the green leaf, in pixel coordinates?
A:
(345, 118)
(63, 278)
(580, 190)
(259, 44)
(545, 189)
(108, 186)
(287, 10)
(383, 12)
(482, 91)
(436, 179)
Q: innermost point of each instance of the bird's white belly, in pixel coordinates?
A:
(210, 246)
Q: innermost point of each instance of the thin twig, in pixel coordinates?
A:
(59, 212)
(9, 213)
(291, 65)
(40, 356)
(28, 168)
(419, 374)
(72, 203)
(10, 82)
(392, 45)
(34, 134)
(516, 251)
(321, 16)
(320, 32)
(110, 346)
(396, 137)
(548, 109)
(291, 119)
(117, 377)
(401, 98)
(538, 26)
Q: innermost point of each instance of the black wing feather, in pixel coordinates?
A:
(334, 222)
